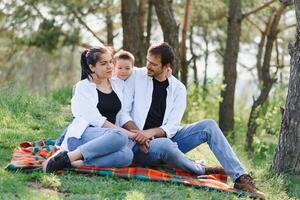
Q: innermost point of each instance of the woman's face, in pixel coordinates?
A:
(104, 67)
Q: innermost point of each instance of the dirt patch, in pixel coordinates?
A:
(38, 187)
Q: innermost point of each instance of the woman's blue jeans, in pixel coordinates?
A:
(103, 147)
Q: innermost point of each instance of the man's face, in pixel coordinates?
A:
(154, 66)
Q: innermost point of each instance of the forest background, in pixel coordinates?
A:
(232, 55)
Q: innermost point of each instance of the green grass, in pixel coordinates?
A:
(28, 118)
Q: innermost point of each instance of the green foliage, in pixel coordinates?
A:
(62, 95)
(202, 103)
(49, 37)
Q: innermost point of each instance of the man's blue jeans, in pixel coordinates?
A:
(101, 147)
(171, 151)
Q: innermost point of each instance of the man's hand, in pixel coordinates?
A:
(141, 136)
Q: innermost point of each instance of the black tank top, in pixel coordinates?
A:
(109, 105)
(158, 106)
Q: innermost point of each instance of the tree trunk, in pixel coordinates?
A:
(132, 35)
(149, 23)
(206, 53)
(183, 61)
(194, 57)
(226, 107)
(169, 27)
(260, 51)
(267, 80)
(141, 16)
(109, 28)
(287, 157)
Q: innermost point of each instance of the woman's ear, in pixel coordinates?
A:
(91, 68)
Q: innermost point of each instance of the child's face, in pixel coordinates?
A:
(123, 68)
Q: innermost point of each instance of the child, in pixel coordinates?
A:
(123, 64)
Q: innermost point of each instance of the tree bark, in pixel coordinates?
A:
(132, 35)
(226, 107)
(183, 61)
(260, 51)
(206, 54)
(267, 80)
(194, 57)
(169, 27)
(287, 156)
(109, 28)
(149, 23)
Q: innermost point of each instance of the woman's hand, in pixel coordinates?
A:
(145, 147)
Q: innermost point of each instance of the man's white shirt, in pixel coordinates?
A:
(138, 98)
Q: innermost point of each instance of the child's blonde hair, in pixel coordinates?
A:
(126, 55)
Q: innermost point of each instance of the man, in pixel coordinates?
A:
(156, 105)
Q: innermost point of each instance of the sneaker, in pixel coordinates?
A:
(58, 161)
(245, 183)
(214, 170)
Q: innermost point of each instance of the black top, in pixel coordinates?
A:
(109, 105)
(158, 106)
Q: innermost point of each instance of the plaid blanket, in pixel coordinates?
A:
(29, 156)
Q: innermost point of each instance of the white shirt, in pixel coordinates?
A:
(138, 97)
(84, 109)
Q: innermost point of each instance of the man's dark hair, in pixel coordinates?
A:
(165, 51)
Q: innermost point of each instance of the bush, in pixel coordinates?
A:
(202, 104)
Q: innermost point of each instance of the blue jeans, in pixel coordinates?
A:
(171, 151)
(102, 147)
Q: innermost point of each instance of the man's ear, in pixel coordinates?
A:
(167, 66)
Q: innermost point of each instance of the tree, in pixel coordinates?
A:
(164, 12)
(226, 107)
(132, 30)
(267, 78)
(287, 154)
(183, 61)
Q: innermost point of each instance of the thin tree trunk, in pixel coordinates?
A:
(109, 28)
(267, 80)
(206, 53)
(194, 57)
(226, 112)
(183, 61)
(169, 27)
(132, 40)
(142, 4)
(149, 23)
(287, 156)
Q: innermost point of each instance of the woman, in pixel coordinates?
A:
(92, 139)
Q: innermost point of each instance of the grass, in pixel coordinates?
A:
(27, 118)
